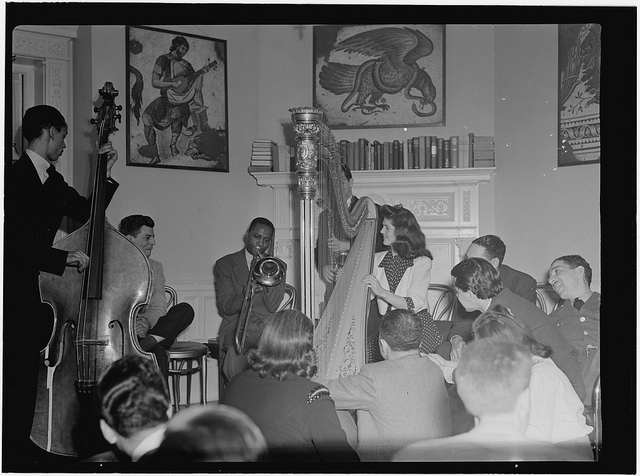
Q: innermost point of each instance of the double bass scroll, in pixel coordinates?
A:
(94, 316)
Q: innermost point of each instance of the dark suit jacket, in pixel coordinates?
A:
(545, 332)
(231, 275)
(33, 213)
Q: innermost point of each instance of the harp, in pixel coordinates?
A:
(339, 309)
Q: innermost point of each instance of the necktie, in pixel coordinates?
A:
(50, 171)
(577, 303)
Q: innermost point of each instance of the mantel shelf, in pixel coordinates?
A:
(390, 177)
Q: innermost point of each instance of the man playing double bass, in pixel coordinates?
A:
(36, 199)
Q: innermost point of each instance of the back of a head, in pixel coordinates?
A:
(499, 323)
(212, 433)
(41, 117)
(493, 246)
(491, 375)
(285, 346)
(478, 276)
(132, 395)
(401, 329)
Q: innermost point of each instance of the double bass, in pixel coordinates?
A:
(94, 316)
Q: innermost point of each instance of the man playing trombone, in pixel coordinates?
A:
(246, 299)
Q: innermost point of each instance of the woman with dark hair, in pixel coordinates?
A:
(296, 416)
(555, 412)
(401, 275)
(479, 288)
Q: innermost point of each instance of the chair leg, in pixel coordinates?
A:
(203, 380)
(175, 380)
(189, 368)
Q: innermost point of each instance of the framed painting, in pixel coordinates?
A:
(379, 75)
(176, 100)
(579, 52)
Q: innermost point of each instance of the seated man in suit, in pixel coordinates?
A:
(156, 326)
(399, 400)
(479, 288)
(231, 276)
(493, 379)
(578, 317)
(493, 249)
(134, 407)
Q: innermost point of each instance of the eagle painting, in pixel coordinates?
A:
(391, 70)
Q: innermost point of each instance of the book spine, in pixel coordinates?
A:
(427, 152)
(446, 154)
(434, 152)
(455, 147)
(396, 154)
(386, 154)
(416, 152)
(440, 153)
(409, 154)
(470, 154)
(403, 158)
(369, 156)
(422, 147)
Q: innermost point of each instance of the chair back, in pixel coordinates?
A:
(172, 296)
(289, 300)
(445, 299)
(597, 418)
(546, 298)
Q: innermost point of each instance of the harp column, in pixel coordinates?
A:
(306, 123)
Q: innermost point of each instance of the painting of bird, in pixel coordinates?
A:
(379, 64)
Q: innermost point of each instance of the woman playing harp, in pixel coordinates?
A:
(401, 276)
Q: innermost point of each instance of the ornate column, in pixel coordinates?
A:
(306, 123)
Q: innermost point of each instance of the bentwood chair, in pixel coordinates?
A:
(185, 360)
(546, 298)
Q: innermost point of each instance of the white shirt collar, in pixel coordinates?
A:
(151, 442)
(40, 163)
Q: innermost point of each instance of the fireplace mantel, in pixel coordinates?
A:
(444, 201)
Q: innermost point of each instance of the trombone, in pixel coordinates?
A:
(268, 271)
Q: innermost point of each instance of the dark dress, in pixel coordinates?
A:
(296, 416)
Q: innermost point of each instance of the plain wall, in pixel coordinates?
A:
(201, 216)
(542, 211)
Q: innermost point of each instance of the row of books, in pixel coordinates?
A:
(268, 156)
(422, 152)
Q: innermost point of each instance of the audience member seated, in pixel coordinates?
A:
(556, 414)
(296, 415)
(134, 407)
(493, 378)
(493, 249)
(578, 317)
(218, 433)
(398, 401)
(479, 288)
(231, 275)
(156, 326)
(401, 275)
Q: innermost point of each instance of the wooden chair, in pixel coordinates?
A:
(597, 419)
(182, 357)
(546, 298)
(445, 303)
(289, 300)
